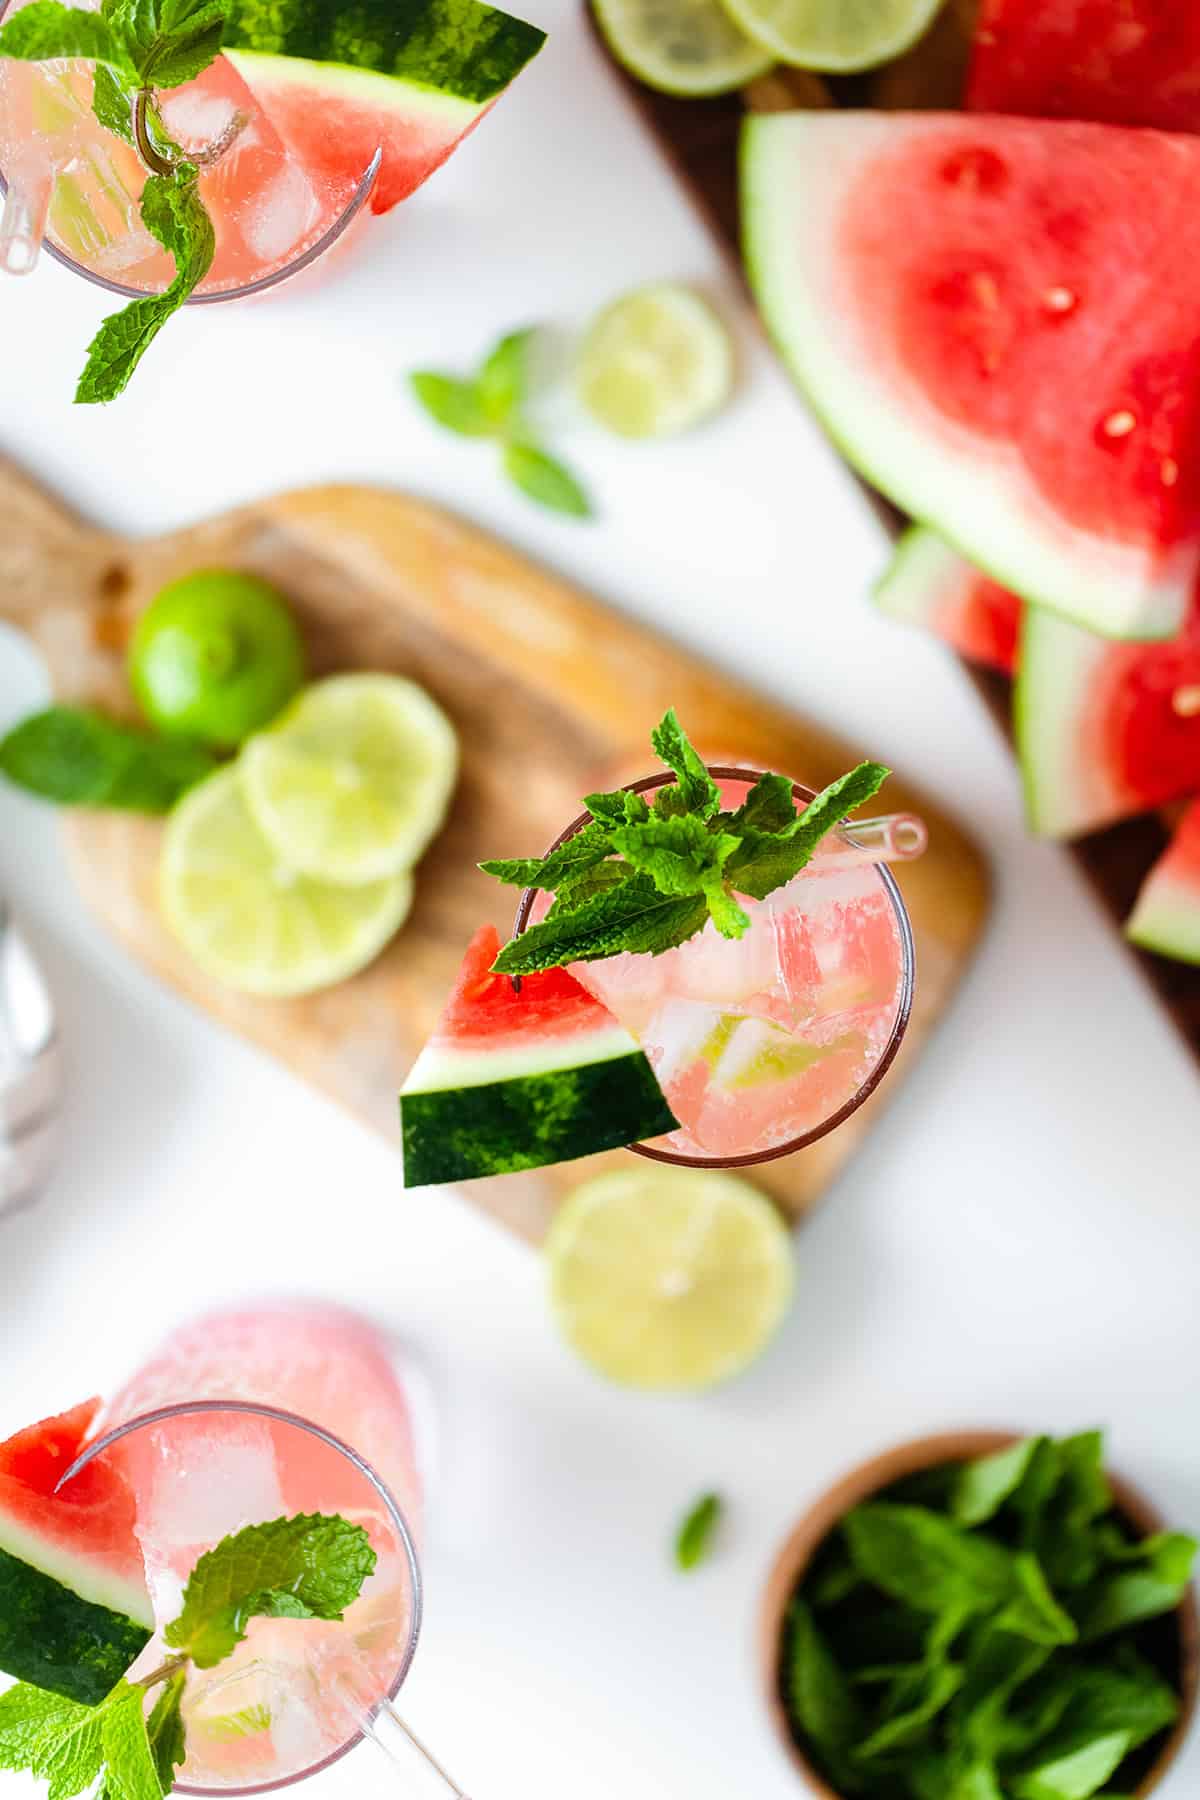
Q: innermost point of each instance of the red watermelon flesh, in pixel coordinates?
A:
(83, 1535)
(1123, 62)
(1166, 917)
(929, 584)
(1105, 730)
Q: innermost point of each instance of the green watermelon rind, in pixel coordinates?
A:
(795, 171)
(924, 571)
(542, 1105)
(52, 1636)
(265, 73)
(1166, 919)
(458, 49)
(1068, 791)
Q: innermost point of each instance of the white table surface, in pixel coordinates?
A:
(1016, 1245)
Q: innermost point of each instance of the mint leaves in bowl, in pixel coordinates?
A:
(981, 1617)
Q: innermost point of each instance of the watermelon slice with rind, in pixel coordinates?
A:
(74, 1607)
(407, 77)
(518, 1078)
(1130, 62)
(1166, 917)
(928, 583)
(995, 319)
(1104, 730)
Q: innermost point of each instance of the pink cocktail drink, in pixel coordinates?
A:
(253, 1415)
(764, 1043)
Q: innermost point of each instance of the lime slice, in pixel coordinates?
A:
(834, 36)
(353, 780)
(655, 362)
(669, 1278)
(247, 918)
(685, 47)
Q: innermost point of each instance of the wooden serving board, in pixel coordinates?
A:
(700, 139)
(553, 696)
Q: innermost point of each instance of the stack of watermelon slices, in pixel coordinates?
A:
(996, 318)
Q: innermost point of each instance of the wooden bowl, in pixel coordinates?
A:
(910, 1459)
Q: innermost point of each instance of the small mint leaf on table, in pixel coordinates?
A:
(76, 757)
(634, 917)
(503, 380)
(543, 479)
(112, 102)
(454, 404)
(697, 787)
(314, 1562)
(694, 1538)
(174, 213)
(46, 31)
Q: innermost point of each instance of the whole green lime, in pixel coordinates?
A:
(215, 656)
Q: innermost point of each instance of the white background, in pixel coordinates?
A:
(1017, 1244)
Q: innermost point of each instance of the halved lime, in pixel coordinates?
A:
(655, 362)
(250, 920)
(669, 1278)
(353, 780)
(834, 36)
(685, 47)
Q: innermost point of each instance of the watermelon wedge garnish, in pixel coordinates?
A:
(409, 77)
(1166, 917)
(517, 1080)
(996, 320)
(1104, 730)
(927, 583)
(1127, 62)
(74, 1607)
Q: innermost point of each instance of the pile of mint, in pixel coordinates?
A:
(493, 404)
(310, 1566)
(139, 47)
(646, 876)
(980, 1632)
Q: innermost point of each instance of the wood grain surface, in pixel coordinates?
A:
(700, 139)
(553, 696)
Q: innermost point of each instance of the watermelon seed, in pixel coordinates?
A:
(1168, 469)
(986, 291)
(1185, 702)
(1060, 300)
(1118, 424)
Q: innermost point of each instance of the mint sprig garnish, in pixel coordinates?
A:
(310, 1566)
(77, 757)
(646, 876)
(139, 47)
(493, 403)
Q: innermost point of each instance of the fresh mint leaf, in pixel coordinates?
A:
(671, 745)
(600, 879)
(164, 1728)
(1033, 1612)
(766, 861)
(680, 854)
(982, 1486)
(950, 1778)
(186, 40)
(820, 1700)
(934, 1688)
(1072, 1772)
(769, 806)
(309, 1566)
(634, 917)
(80, 758)
(174, 213)
(129, 1767)
(454, 404)
(694, 1538)
(925, 1561)
(542, 478)
(619, 808)
(46, 31)
(1136, 1593)
(503, 380)
(588, 847)
(56, 1739)
(112, 102)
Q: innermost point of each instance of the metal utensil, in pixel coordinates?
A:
(30, 1073)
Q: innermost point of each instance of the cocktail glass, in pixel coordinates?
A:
(296, 1695)
(767, 1043)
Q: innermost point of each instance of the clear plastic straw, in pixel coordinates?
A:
(30, 178)
(423, 1776)
(892, 838)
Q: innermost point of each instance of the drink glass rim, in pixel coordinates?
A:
(262, 283)
(279, 1415)
(803, 794)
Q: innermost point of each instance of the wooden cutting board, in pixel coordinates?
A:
(553, 696)
(700, 138)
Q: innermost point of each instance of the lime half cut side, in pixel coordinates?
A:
(669, 1278)
(353, 780)
(691, 48)
(655, 362)
(252, 922)
(834, 36)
